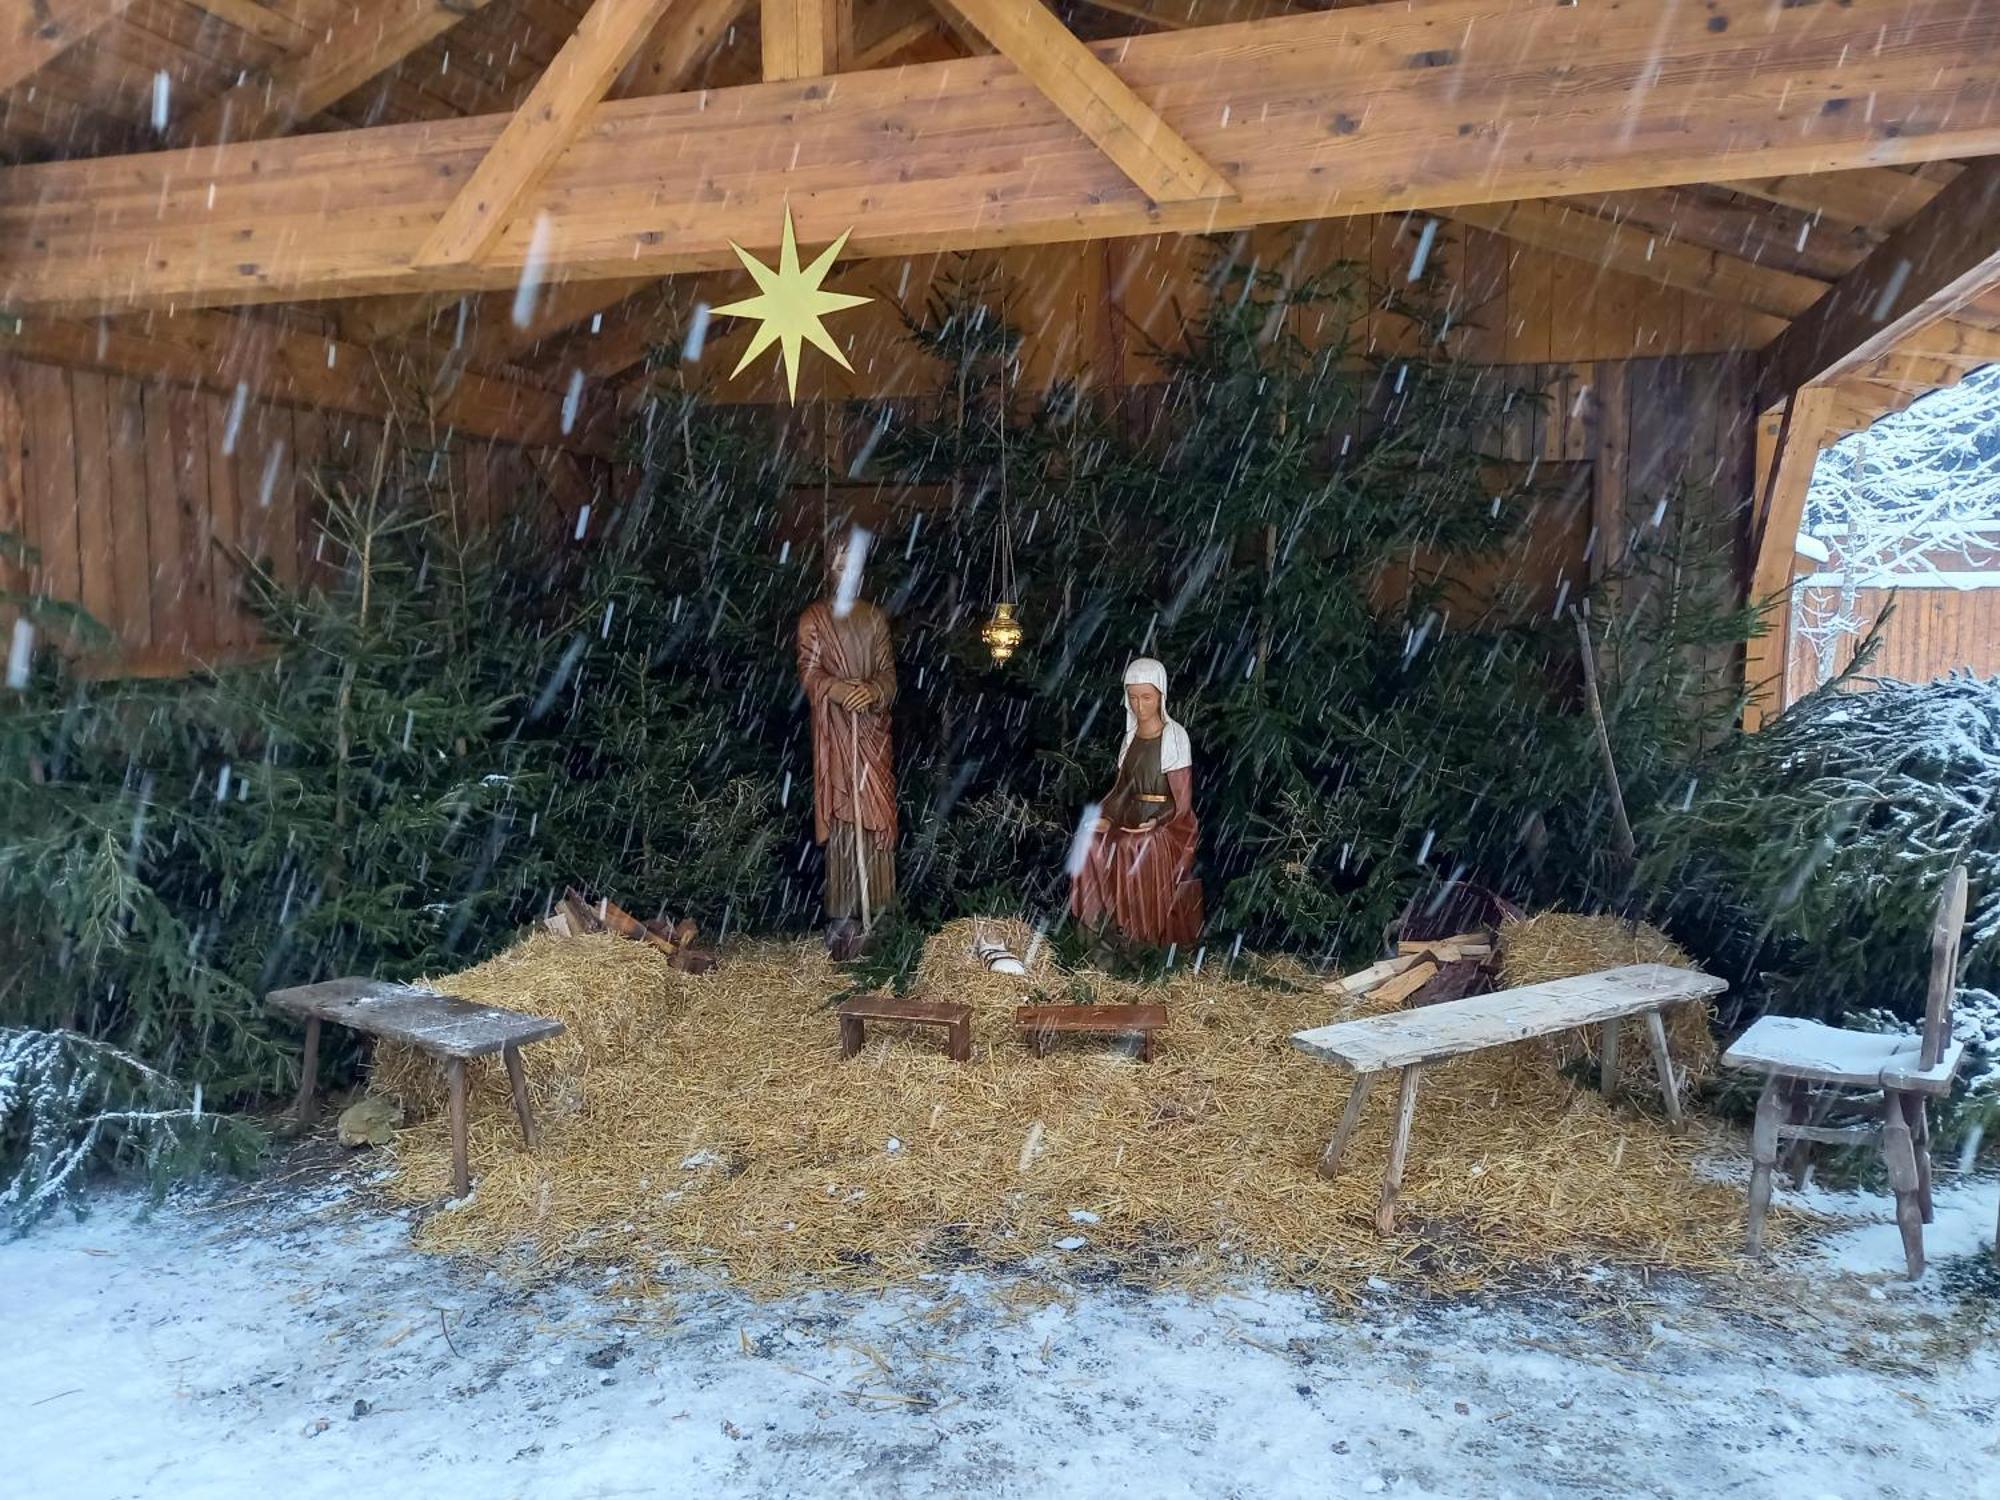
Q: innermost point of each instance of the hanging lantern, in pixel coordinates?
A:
(1002, 633)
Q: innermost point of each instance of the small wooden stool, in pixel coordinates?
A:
(953, 1016)
(448, 1028)
(1040, 1023)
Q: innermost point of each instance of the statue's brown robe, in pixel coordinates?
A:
(854, 772)
(1137, 878)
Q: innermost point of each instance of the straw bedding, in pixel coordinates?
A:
(709, 1120)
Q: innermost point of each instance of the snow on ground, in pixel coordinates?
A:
(296, 1344)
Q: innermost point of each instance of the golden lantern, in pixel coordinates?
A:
(1002, 633)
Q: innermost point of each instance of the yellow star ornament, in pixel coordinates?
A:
(789, 305)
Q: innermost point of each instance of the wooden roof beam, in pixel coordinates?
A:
(805, 38)
(607, 37)
(1948, 253)
(682, 39)
(1878, 198)
(220, 352)
(368, 41)
(1550, 224)
(37, 32)
(1096, 100)
(1302, 113)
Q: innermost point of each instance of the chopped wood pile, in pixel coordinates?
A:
(1425, 972)
(575, 916)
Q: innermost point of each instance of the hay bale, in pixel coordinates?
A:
(607, 992)
(716, 1125)
(1559, 945)
(951, 968)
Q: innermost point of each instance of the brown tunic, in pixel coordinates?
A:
(1141, 879)
(854, 773)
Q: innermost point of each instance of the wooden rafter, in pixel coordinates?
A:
(1301, 112)
(36, 32)
(806, 38)
(1873, 197)
(1943, 256)
(541, 129)
(220, 352)
(1161, 164)
(260, 21)
(1553, 225)
(371, 39)
(681, 40)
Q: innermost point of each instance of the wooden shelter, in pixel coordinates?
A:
(234, 232)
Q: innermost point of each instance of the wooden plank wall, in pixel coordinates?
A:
(1932, 633)
(125, 488)
(1093, 312)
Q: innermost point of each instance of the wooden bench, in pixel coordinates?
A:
(1411, 1040)
(954, 1017)
(446, 1027)
(1040, 1023)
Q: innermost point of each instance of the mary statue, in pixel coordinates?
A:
(1138, 872)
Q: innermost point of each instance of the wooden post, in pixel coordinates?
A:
(1899, 1155)
(1357, 1097)
(1764, 1158)
(853, 1032)
(517, 1078)
(1626, 847)
(302, 1109)
(1399, 1150)
(461, 1171)
(1663, 1063)
(1607, 1060)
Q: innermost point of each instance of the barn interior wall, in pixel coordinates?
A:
(126, 487)
(137, 498)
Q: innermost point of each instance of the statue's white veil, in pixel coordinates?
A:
(1176, 753)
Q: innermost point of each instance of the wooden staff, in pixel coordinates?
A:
(860, 831)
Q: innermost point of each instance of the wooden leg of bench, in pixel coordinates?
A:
(1399, 1150)
(1771, 1112)
(1329, 1159)
(1607, 1060)
(302, 1107)
(961, 1041)
(1145, 1046)
(852, 1034)
(517, 1078)
(1663, 1064)
(461, 1171)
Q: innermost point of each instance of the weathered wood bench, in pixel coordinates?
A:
(448, 1028)
(1040, 1023)
(1411, 1040)
(956, 1019)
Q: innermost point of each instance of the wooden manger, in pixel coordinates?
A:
(954, 1017)
(444, 1026)
(1409, 1041)
(1040, 1023)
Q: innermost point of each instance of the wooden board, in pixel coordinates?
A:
(1380, 108)
(895, 1008)
(1517, 1015)
(440, 1024)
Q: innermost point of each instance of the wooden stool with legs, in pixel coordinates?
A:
(1795, 1054)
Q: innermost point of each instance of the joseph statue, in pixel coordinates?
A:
(848, 670)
